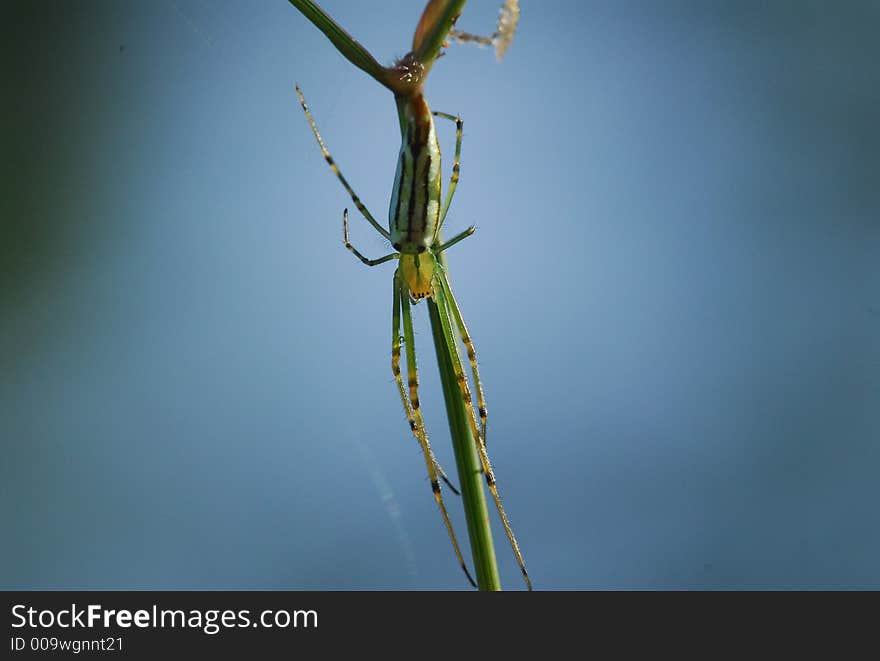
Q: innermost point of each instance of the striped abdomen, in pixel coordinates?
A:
(415, 200)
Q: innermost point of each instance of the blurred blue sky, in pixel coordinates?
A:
(673, 291)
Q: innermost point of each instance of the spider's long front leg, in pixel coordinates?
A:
(335, 168)
(444, 305)
(411, 404)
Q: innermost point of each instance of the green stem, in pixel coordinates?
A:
(470, 475)
(344, 42)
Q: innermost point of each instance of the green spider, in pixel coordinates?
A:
(415, 219)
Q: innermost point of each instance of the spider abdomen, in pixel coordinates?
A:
(415, 199)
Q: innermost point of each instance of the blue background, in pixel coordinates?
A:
(673, 291)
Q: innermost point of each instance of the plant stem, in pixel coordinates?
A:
(470, 475)
(344, 42)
